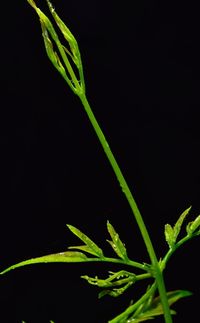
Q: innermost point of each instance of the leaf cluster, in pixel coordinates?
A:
(152, 306)
(66, 61)
(92, 248)
(172, 232)
(148, 306)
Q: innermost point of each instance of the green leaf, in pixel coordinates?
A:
(116, 243)
(67, 35)
(115, 279)
(178, 224)
(115, 292)
(77, 84)
(155, 308)
(90, 245)
(51, 53)
(67, 256)
(115, 284)
(169, 235)
(193, 226)
(84, 248)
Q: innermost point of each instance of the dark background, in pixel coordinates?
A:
(141, 63)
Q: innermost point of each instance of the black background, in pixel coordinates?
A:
(141, 63)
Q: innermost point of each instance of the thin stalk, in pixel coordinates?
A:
(176, 246)
(134, 208)
(133, 307)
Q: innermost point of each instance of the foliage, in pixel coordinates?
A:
(155, 301)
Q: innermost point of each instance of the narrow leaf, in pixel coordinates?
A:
(172, 296)
(115, 279)
(115, 284)
(169, 235)
(116, 243)
(74, 52)
(178, 224)
(51, 53)
(67, 256)
(195, 224)
(67, 34)
(48, 33)
(156, 308)
(84, 248)
(115, 292)
(94, 249)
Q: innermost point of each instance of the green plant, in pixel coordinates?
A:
(155, 301)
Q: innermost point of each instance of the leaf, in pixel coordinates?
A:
(116, 243)
(67, 35)
(193, 226)
(90, 245)
(178, 224)
(67, 256)
(115, 292)
(51, 53)
(169, 235)
(84, 248)
(49, 33)
(155, 308)
(115, 284)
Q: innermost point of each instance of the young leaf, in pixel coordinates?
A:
(67, 35)
(115, 279)
(115, 292)
(51, 53)
(193, 226)
(115, 284)
(116, 243)
(155, 308)
(169, 235)
(91, 246)
(178, 224)
(49, 34)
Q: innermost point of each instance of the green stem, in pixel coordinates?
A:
(123, 316)
(176, 246)
(134, 207)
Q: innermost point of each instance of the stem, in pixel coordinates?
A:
(134, 208)
(131, 308)
(172, 250)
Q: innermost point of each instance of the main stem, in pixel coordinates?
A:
(134, 207)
